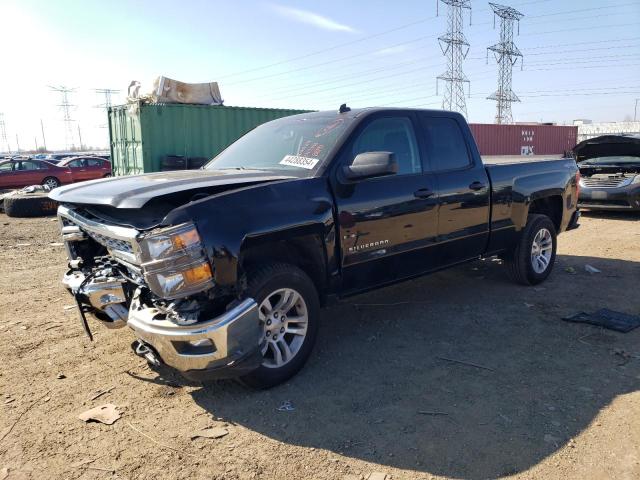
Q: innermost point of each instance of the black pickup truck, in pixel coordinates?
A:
(221, 272)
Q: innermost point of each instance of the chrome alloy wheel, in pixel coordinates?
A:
(51, 183)
(541, 250)
(284, 318)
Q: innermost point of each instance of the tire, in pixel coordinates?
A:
(30, 205)
(52, 182)
(520, 263)
(264, 282)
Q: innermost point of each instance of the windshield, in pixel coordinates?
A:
(298, 144)
(622, 160)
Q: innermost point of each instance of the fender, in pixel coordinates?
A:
(231, 221)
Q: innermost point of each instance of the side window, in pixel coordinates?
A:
(446, 146)
(392, 134)
(74, 164)
(29, 166)
(92, 162)
(6, 167)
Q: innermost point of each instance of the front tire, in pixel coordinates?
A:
(289, 311)
(532, 259)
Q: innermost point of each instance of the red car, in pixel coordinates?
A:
(21, 173)
(87, 168)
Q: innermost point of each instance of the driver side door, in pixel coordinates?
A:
(385, 224)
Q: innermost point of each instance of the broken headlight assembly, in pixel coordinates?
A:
(174, 262)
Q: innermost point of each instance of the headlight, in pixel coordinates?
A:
(636, 179)
(174, 263)
(171, 241)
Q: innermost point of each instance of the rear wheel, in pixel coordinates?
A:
(288, 309)
(51, 182)
(532, 259)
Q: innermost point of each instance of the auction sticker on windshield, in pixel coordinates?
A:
(298, 161)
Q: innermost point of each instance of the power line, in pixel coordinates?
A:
(300, 86)
(352, 42)
(455, 47)
(580, 28)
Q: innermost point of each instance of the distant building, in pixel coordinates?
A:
(591, 130)
(582, 121)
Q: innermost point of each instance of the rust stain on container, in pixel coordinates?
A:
(524, 139)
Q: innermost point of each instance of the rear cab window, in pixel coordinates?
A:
(446, 146)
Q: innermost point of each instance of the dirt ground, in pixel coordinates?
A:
(544, 398)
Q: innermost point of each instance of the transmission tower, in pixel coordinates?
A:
(455, 47)
(3, 134)
(107, 92)
(66, 106)
(506, 54)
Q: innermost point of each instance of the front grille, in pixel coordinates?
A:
(111, 243)
(605, 181)
(120, 241)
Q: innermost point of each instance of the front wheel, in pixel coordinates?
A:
(532, 259)
(288, 308)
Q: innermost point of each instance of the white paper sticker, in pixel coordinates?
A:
(297, 161)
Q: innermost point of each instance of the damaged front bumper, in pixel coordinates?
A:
(221, 347)
(225, 346)
(121, 289)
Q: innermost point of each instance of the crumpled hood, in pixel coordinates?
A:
(135, 191)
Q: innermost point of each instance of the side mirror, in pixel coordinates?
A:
(370, 165)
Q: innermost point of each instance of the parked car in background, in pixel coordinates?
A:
(17, 173)
(610, 170)
(87, 168)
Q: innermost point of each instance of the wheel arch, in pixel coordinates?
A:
(303, 247)
(551, 206)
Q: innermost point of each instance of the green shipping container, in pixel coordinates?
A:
(140, 141)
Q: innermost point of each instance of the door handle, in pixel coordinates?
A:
(423, 193)
(477, 185)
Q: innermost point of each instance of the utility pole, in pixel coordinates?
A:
(66, 106)
(44, 141)
(17, 143)
(506, 54)
(455, 47)
(3, 134)
(80, 137)
(635, 111)
(107, 92)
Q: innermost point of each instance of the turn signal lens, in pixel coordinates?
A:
(198, 274)
(181, 283)
(186, 239)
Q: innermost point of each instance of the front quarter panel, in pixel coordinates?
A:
(277, 210)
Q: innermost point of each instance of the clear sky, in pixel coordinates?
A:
(581, 58)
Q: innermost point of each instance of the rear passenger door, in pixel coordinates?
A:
(385, 224)
(463, 188)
